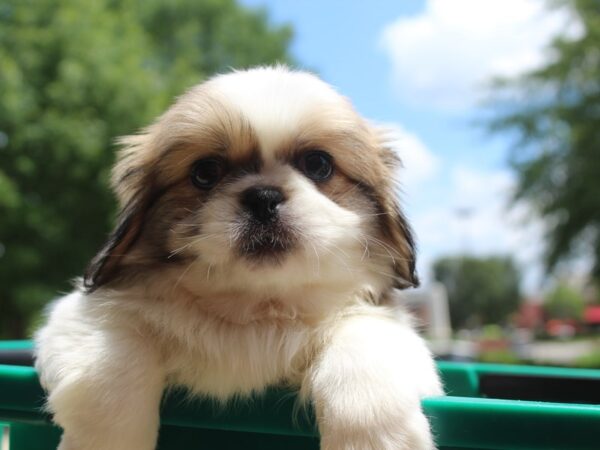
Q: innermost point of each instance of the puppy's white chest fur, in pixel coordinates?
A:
(229, 359)
(194, 348)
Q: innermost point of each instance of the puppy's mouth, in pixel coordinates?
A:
(264, 237)
(268, 243)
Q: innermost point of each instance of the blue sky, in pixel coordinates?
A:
(341, 40)
(418, 66)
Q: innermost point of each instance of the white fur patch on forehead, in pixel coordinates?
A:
(276, 101)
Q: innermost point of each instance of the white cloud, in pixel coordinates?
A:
(419, 164)
(442, 55)
(473, 215)
(460, 208)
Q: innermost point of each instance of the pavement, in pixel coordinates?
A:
(558, 352)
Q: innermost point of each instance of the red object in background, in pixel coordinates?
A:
(486, 345)
(591, 315)
(561, 328)
(530, 315)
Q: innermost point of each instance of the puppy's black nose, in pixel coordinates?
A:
(262, 202)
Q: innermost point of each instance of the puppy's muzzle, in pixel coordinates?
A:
(262, 202)
(266, 235)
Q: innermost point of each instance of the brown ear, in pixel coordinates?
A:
(401, 239)
(396, 228)
(132, 184)
(104, 266)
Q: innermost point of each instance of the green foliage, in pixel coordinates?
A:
(500, 356)
(589, 361)
(555, 113)
(564, 302)
(480, 290)
(73, 76)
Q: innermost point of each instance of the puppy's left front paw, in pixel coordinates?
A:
(406, 431)
(366, 396)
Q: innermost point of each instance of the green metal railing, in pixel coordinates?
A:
(484, 409)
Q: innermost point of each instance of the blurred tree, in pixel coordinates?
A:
(555, 113)
(564, 302)
(73, 76)
(480, 290)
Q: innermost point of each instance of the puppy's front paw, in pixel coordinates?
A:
(366, 396)
(408, 430)
(66, 444)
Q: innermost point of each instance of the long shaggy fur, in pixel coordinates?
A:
(175, 297)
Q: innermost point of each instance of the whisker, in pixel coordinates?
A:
(383, 244)
(307, 238)
(179, 250)
(194, 241)
(187, 269)
(388, 248)
(342, 260)
(318, 259)
(375, 214)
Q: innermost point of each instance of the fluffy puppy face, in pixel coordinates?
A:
(264, 183)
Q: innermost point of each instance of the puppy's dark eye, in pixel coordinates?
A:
(316, 165)
(206, 173)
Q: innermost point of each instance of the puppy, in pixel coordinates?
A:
(258, 242)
